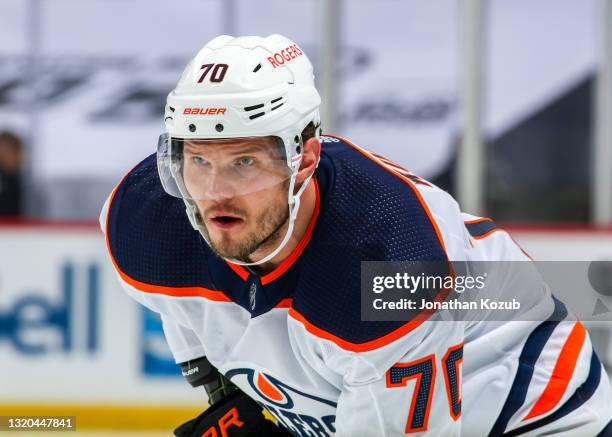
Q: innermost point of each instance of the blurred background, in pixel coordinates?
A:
(505, 103)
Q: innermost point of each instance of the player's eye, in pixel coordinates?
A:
(245, 161)
(199, 161)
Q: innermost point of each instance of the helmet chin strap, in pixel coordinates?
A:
(294, 206)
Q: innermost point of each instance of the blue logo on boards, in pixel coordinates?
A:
(37, 324)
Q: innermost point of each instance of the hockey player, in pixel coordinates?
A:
(258, 284)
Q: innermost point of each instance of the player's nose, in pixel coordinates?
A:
(218, 187)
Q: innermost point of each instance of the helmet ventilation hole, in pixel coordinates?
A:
(252, 108)
(257, 68)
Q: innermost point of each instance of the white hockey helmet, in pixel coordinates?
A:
(240, 88)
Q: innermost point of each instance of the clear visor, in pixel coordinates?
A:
(215, 169)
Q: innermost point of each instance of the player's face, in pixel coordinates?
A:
(241, 190)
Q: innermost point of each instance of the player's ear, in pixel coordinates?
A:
(310, 158)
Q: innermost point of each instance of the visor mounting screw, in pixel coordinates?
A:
(192, 128)
(219, 127)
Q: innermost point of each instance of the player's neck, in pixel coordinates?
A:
(304, 216)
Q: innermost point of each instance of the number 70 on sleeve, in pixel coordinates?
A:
(424, 371)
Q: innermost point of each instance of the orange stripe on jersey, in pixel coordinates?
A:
(519, 246)
(562, 373)
(151, 288)
(284, 303)
(478, 220)
(239, 270)
(294, 255)
(373, 158)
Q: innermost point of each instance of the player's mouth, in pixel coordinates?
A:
(225, 221)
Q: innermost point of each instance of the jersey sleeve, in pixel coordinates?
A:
(183, 342)
(411, 385)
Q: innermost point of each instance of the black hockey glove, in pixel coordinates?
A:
(235, 416)
(231, 413)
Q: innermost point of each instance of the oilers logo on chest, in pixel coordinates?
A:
(287, 404)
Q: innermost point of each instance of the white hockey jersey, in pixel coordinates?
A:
(294, 341)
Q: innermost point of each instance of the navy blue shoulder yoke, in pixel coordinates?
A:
(149, 234)
(370, 214)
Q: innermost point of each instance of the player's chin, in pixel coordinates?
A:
(228, 242)
(229, 249)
